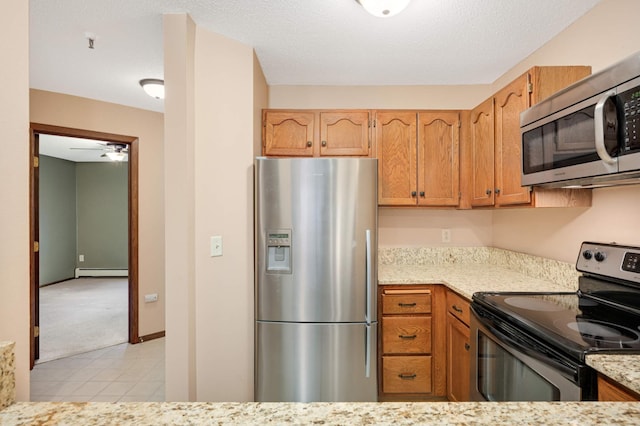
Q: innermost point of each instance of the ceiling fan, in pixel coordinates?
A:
(113, 150)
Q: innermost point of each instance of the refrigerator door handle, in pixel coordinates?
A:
(367, 315)
(367, 351)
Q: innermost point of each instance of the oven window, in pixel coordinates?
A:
(503, 377)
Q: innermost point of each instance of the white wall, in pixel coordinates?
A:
(14, 186)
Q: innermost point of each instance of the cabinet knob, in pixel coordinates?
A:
(413, 193)
(467, 347)
(488, 192)
(497, 191)
(324, 143)
(422, 194)
(309, 143)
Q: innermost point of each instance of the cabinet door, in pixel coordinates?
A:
(396, 151)
(288, 133)
(509, 103)
(438, 158)
(344, 133)
(458, 360)
(481, 139)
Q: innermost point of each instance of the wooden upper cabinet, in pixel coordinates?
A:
(396, 146)
(288, 133)
(495, 124)
(481, 141)
(316, 133)
(438, 158)
(509, 103)
(344, 133)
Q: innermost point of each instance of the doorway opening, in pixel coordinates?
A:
(111, 143)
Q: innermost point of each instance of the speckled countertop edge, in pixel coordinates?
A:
(457, 413)
(7, 374)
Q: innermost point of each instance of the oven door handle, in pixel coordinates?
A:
(536, 351)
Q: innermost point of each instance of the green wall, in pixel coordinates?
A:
(83, 210)
(102, 198)
(57, 219)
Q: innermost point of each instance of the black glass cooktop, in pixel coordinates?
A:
(570, 322)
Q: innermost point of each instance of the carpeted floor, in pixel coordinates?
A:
(82, 315)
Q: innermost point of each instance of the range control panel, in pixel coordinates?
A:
(610, 260)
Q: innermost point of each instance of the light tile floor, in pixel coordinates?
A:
(118, 373)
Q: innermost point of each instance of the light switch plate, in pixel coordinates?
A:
(216, 245)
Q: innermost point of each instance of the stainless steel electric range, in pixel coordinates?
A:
(532, 346)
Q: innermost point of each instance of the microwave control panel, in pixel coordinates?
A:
(629, 102)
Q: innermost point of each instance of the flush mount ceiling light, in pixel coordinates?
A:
(384, 8)
(154, 87)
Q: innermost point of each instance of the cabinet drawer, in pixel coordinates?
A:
(406, 374)
(397, 301)
(406, 335)
(458, 306)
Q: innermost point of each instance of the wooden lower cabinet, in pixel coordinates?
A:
(411, 345)
(611, 391)
(458, 345)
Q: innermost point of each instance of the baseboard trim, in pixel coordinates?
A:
(97, 272)
(55, 282)
(151, 336)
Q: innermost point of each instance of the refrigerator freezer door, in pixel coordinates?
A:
(327, 207)
(316, 362)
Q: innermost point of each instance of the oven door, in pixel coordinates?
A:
(510, 366)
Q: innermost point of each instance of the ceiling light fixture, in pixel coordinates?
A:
(384, 8)
(154, 87)
(116, 155)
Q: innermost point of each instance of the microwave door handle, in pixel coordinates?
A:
(598, 117)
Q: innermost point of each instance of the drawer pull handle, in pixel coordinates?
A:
(413, 336)
(455, 308)
(467, 347)
(407, 305)
(406, 376)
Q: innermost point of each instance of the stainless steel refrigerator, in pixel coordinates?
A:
(315, 287)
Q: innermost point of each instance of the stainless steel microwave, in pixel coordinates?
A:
(587, 134)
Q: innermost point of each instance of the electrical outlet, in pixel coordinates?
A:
(446, 235)
(81, 258)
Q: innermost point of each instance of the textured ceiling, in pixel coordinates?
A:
(298, 42)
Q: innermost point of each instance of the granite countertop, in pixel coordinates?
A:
(387, 413)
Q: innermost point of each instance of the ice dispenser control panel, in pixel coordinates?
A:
(279, 251)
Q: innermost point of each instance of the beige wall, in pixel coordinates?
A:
(378, 97)
(180, 346)
(412, 227)
(14, 186)
(231, 91)
(557, 233)
(88, 114)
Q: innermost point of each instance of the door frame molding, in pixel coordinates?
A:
(132, 142)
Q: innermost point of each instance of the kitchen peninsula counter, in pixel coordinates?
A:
(469, 270)
(192, 413)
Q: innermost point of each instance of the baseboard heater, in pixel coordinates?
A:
(98, 272)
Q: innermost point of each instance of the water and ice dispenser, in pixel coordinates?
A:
(279, 251)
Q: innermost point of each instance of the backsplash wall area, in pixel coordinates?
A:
(557, 233)
(418, 227)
